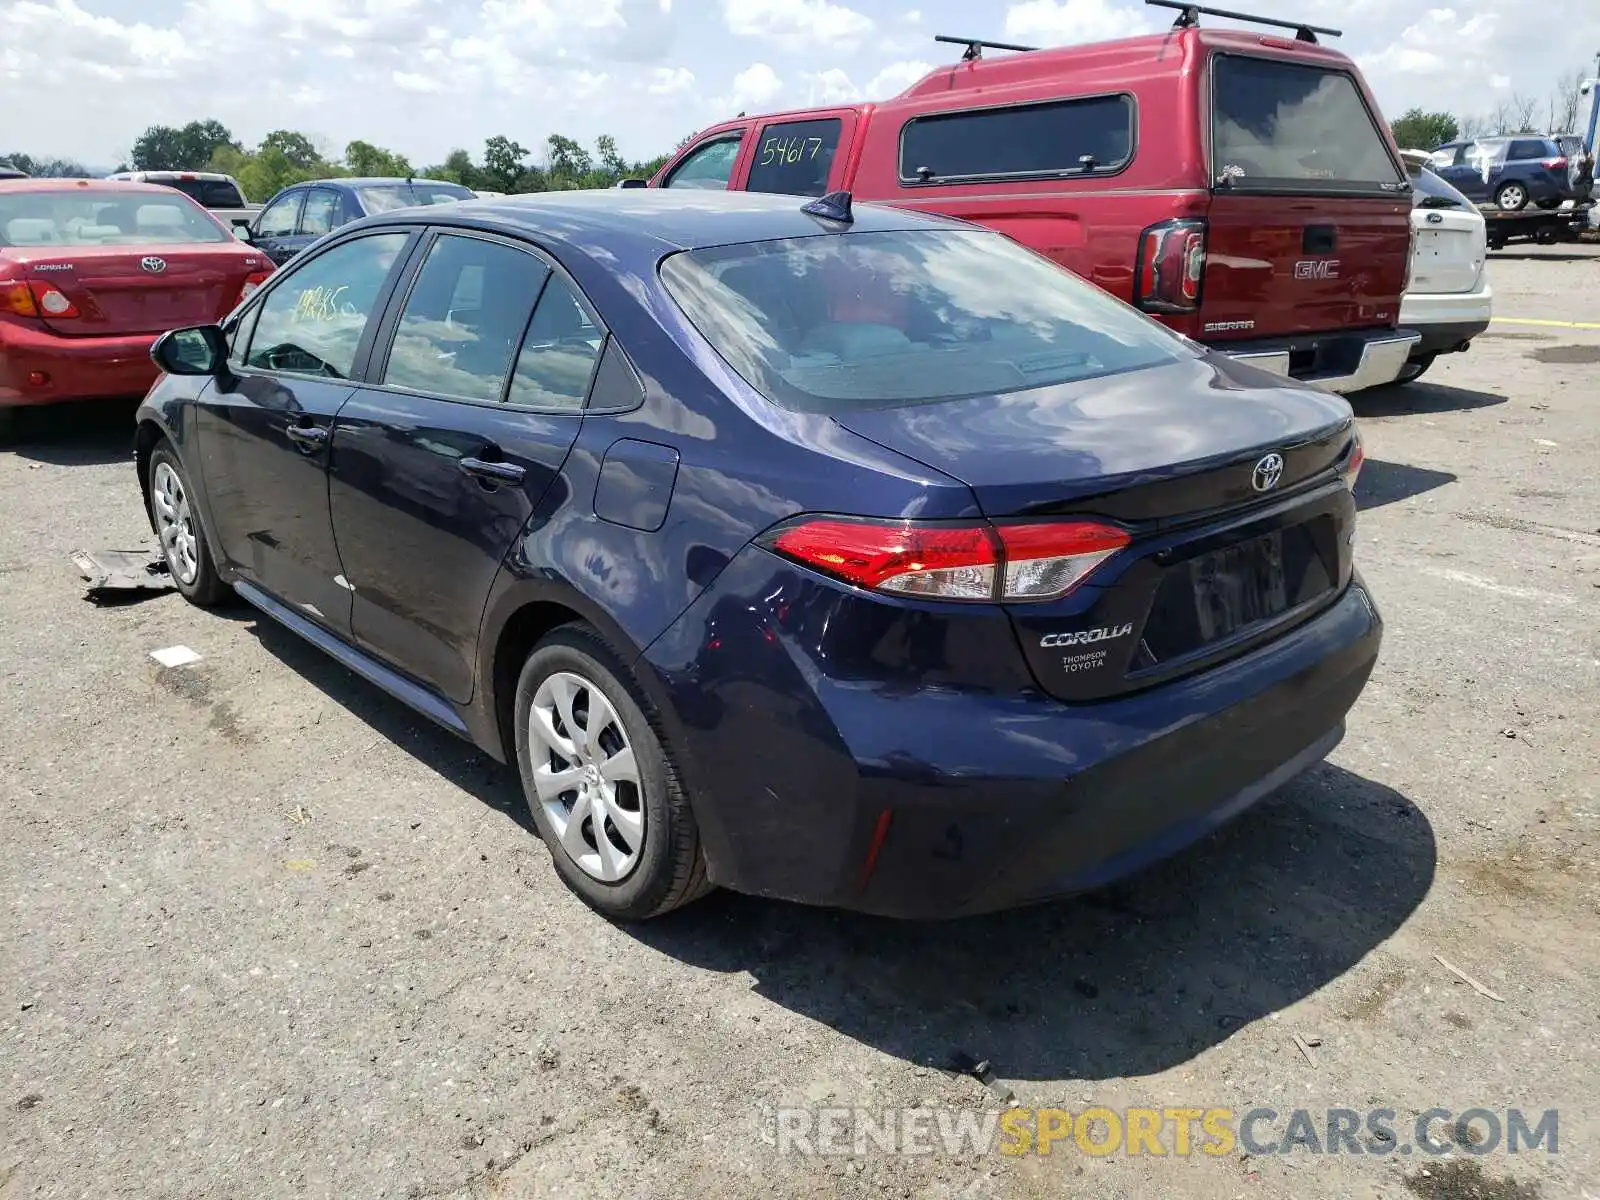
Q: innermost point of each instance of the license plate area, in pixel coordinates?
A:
(1238, 586)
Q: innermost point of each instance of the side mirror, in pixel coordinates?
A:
(241, 230)
(198, 350)
(633, 183)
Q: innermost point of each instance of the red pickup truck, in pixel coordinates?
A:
(1240, 187)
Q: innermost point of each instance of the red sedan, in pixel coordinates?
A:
(92, 271)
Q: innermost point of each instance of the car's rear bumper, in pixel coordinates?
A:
(1338, 360)
(1447, 321)
(39, 367)
(938, 802)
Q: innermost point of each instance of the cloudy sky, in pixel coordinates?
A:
(82, 78)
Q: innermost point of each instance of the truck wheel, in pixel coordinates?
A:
(1511, 197)
(1415, 368)
(1548, 236)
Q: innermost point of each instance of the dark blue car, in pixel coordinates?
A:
(861, 559)
(1512, 172)
(300, 214)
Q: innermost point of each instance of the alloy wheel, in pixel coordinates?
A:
(1512, 197)
(586, 776)
(175, 524)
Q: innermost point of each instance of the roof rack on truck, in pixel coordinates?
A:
(1189, 18)
(976, 46)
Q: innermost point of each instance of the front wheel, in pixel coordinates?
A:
(1511, 197)
(599, 783)
(183, 538)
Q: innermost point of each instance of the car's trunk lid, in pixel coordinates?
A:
(1451, 246)
(1230, 488)
(141, 289)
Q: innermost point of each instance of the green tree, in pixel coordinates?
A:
(502, 163)
(363, 158)
(1418, 130)
(165, 148)
(46, 168)
(569, 162)
(607, 159)
(295, 147)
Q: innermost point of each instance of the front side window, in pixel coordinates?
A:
(794, 157)
(1282, 126)
(834, 323)
(1058, 137)
(321, 213)
(278, 218)
(463, 319)
(709, 166)
(312, 320)
(558, 355)
(86, 217)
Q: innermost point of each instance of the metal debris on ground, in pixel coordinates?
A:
(1304, 1047)
(122, 571)
(1469, 980)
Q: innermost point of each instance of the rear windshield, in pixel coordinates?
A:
(386, 197)
(86, 218)
(1430, 191)
(212, 193)
(838, 322)
(1280, 126)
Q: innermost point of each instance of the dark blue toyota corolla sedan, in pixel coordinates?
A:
(859, 558)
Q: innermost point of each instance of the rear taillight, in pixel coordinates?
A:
(1352, 464)
(1554, 164)
(252, 281)
(1171, 266)
(34, 298)
(17, 299)
(1411, 258)
(976, 562)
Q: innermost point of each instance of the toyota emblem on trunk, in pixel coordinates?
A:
(153, 264)
(1267, 473)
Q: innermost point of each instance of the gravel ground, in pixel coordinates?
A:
(269, 935)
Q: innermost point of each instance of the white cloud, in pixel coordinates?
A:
(796, 24)
(896, 78)
(412, 82)
(668, 81)
(1070, 22)
(832, 86)
(754, 88)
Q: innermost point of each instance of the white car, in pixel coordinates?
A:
(1448, 300)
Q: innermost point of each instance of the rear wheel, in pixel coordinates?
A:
(1415, 368)
(183, 538)
(1511, 197)
(599, 783)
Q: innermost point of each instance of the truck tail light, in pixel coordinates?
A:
(1171, 266)
(972, 562)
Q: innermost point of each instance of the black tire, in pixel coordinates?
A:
(1415, 368)
(8, 425)
(670, 870)
(1547, 205)
(1511, 189)
(206, 589)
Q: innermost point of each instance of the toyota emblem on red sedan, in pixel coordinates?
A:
(153, 264)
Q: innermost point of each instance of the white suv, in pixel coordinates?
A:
(1448, 300)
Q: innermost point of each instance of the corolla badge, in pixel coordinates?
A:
(1267, 473)
(153, 264)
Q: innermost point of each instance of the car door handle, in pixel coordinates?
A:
(307, 437)
(495, 472)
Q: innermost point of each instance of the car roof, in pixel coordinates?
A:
(85, 185)
(688, 219)
(372, 181)
(203, 176)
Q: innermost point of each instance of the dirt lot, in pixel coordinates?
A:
(269, 935)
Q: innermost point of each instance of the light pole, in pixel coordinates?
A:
(1593, 87)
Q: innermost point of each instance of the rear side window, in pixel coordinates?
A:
(558, 355)
(1059, 137)
(868, 320)
(1281, 126)
(463, 319)
(794, 158)
(321, 212)
(1527, 148)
